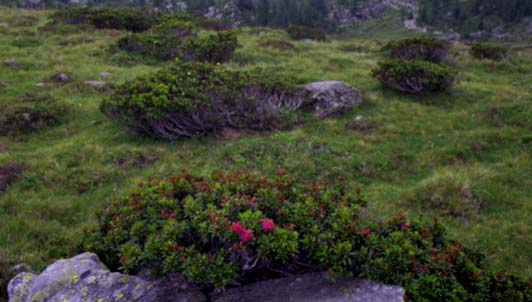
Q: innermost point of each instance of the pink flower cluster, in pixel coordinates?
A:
(245, 234)
(267, 225)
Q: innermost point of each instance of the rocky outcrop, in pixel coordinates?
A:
(330, 98)
(85, 278)
(231, 13)
(314, 287)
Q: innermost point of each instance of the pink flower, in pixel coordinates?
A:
(253, 202)
(246, 236)
(237, 228)
(267, 225)
(405, 226)
(367, 232)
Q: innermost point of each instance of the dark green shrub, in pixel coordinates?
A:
(132, 19)
(176, 38)
(243, 228)
(152, 44)
(192, 99)
(486, 51)
(163, 41)
(298, 32)
(418, 48)
(216, 48)
(33, 114)
(174, 27)
(415, 76)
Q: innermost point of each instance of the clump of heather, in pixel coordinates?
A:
(239, 228)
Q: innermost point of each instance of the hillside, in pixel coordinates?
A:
(475, 19)
(464, 155)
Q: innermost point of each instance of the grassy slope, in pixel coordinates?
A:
(424, 148)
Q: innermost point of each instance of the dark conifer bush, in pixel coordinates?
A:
(240, 227)
(486, 51)
(418, 48)
(191, 99)
(216, 48)
(298, 32)
(135, 19)
(415, 76)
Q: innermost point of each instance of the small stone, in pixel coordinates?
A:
(3, 85)
(358, 118)
(104, 74)
(98, 84)
(40, 84)
(11, 64)
(60, 77)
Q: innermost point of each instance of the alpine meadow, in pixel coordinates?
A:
(203, 150)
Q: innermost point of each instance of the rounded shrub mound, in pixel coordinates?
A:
(414, 76)
(418, 48)
(216, 48)
(191, 99)
(240, 228)
(298, 32)
(486, 51)
(135, 19)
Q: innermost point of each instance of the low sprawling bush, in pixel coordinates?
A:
(298, 32)
(486, 51)
(174, 37)
(419, 48)
(135, 19)
(191, 99)
(32, 114)
(243, 228)
(414, 76)
(216, 48)
(152, 44)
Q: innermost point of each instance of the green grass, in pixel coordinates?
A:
(439, 154)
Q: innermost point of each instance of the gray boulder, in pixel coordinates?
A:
(331, 97)
(85, 278)
(314, 287)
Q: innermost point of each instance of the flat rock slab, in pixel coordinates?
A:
(98, 85)
(314, 288)
(85, 278)
(331, 97)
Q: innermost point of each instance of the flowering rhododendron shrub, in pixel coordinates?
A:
(239, 228)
